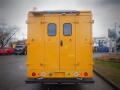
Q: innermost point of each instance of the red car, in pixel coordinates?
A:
(6, 50)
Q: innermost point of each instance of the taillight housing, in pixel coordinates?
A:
(85, 74)
(33, 74)
(38, 74)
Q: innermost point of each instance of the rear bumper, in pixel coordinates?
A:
(61, 81)
(18, 52)
(3, 53)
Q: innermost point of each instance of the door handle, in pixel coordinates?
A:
(61, 43)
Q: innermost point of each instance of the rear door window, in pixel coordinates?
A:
(51, 29)
(67, 29)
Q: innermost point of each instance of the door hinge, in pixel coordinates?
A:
(43, 22)
(91, 21)
(76, 22)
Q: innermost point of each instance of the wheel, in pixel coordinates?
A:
(16, 54)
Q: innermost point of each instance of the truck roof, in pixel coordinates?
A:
(37, 13)
(59, 11)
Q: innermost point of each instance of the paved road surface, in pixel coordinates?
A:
(104, 54)
(12, 76)
(101, 54)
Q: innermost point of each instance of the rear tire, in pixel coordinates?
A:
(16, 54)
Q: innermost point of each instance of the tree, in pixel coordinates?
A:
(6, 33)
(112, 34)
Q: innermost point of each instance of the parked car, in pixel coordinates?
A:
(20, 50)
(6, 50)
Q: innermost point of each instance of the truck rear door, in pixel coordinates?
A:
(67, 43)
(60, 43)
(52, 43)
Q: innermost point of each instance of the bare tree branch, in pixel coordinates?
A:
(6, 33)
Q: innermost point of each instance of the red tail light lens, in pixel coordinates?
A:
(81, 74)
(85, 74)
(38, 74)
(33, 74)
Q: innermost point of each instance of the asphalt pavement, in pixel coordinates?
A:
(101, 54)
(13, 75)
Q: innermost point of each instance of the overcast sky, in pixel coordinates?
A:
(105, 12)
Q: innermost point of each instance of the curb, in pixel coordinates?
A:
(108, 81)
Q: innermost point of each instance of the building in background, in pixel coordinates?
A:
(114, 36)
(103, 44)
(101, 41)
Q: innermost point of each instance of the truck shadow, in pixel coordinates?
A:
(59, 87)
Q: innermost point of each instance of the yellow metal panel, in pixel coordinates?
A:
(67, 51)
(52, 45)
(45, 53)
(35, 43)
(83, 44)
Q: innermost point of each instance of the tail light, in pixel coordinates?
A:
(38, 74)
(85, 74)
(33, 74)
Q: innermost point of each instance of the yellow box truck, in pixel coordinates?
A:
(59, 47)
